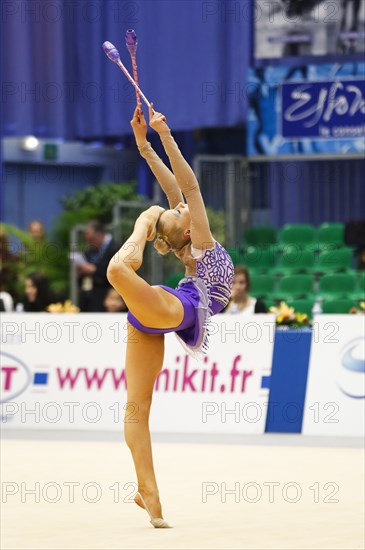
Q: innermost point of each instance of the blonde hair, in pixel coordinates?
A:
(169, 243)
(162, 246)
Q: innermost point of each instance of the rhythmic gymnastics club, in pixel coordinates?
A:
(111, 51)
(131, 42)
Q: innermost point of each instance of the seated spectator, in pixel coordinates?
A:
(241, 301)
(114, 303)
(38, 294)
(9, 267)
(6, 302)
(92, 272)
(36, 231)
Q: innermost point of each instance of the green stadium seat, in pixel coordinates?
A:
(262, 286)
(360, 288)
(340, 305)
(329, 236)
(260, 235)
(331, 233)
(235, 254)
(332, 261)
(258, 259)
(295, 259)
(300, 234)
(294, 287)
(302, 306)
(173, 279)
(337, 285)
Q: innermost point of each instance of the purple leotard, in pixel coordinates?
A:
(202, 295)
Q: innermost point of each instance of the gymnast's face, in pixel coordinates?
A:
(177, 218)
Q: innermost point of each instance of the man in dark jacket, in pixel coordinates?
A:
(92, 273)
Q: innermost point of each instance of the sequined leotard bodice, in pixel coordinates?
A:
(214, 266)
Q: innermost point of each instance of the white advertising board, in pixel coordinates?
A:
(65, 371)
(336, 380)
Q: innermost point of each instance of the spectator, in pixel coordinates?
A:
(36, 231)
(38, 295)
(35, 253)
(241, 301)
(93, 282)
(114, 303)
(9, 265)
(6, 302)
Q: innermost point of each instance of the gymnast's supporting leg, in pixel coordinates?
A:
(143, 363)
(154, 307)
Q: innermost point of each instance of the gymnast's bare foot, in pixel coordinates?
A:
(152, 502)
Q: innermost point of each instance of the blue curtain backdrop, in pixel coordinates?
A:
(57, 82)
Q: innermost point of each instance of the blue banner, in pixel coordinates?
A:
(332, 109)
(316, 100)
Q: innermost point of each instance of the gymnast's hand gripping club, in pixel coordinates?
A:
(111, 51)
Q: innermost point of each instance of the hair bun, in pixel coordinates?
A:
(161, 245)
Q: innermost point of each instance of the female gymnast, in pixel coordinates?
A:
(156, 310)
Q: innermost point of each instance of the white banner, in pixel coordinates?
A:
(68, 372)
(336, 379)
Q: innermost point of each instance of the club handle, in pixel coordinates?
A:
(121, 66)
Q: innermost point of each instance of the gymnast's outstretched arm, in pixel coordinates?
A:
(200, 233)
(161, 172)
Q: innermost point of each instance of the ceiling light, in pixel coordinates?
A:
(29, 143)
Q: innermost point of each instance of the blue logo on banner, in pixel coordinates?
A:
(330, 110)
(40, 378)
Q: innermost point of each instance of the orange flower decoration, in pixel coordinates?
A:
(67, 307)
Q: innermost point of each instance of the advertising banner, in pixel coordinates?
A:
(335, 395)
(307, 109)
(323, 109)
(68, 372)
